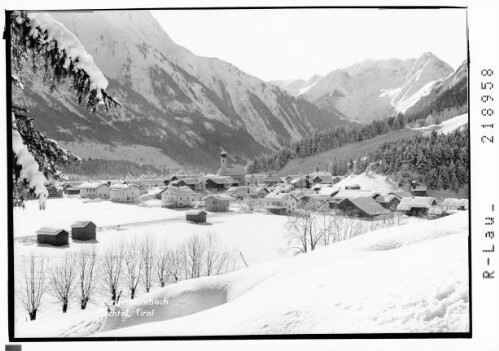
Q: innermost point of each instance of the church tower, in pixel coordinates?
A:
(223, 162)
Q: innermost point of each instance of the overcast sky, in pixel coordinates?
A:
(285, 44)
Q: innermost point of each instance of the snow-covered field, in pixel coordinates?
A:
(411, 278)
(446, 127)
(369, 181)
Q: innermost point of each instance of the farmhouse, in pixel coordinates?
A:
(124, 193)
(83, 230)
(390, 202)
(416, 206)
(350, 194)
(196, 216)
(236, 173)
(280, 203)
(94, 190)
(362, 206)
(180, 176)
(217, 202)
(219, 184)
(173, 197)
(271, 180)
(52, 236)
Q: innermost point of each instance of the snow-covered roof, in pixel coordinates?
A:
(329, 191)
(324, 178)
(195, 212)
(343, 194)
(91, 185)
(122, 186)
(407, 203)
(221, 197)
(236, 190)
(50, 231)
(400, 194)
(221, 180)
(365, 204)
(452, 202)
(278, 197)
(81, 224)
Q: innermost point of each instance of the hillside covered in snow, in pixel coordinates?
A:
(411, 278)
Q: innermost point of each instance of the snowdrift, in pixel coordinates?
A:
(412, 278)
(369, 181)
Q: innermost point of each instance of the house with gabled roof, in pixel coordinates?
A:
(271, 180)
(362, 207)
(124, 192)
(52, 236)
(83, 230)
(217, 202)
(175, 197)
(322, 179)
(94, 190)
(417, 205)
(219, 183)
(280, 203)
(390, 202)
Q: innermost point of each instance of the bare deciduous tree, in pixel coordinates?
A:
(217, 259)
(148, 256)
(177, 264)
(62, 278)
(133, 266)
(112, 269)
(86, 270)
(33, 284)
(162, 264)
(194, 248)
(304, 231)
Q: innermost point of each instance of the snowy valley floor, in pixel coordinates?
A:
(411, 278)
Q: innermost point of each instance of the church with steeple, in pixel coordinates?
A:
(236, 173)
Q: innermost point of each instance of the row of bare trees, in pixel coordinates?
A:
(314, 225)
(131, 265)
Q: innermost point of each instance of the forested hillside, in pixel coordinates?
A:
(109, 169)
(323, 141)
(441, 161)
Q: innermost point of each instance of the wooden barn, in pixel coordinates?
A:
(350, 194)
(322, 179)
(217, 202)
(83, 230)
(196, 216)
(52, 236)
(419, 190)
(365, 207)
(417, 206)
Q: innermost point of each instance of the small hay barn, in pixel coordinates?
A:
(416, 206)
(52, 236)
(196, 216)
(83, 230)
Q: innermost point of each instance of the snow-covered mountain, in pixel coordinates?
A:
(297, 87)
(373, 89)
(187, 105)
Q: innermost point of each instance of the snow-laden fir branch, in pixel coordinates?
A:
(35, 35)
(29, 167)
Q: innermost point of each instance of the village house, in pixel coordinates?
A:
(83, 230)
(124, 193)
(181, 176)
(196, 216)
(271, 180)
(351, 194)
(173, 197)
(390, 202)
(52, 236)
(280, 203)
(322, 179)
(217, 202)
(400, 194)
(365, 207)
(259, 192)
(417, 206)
(236, 173)
(196, 184)
(94, 190)
(219, 184)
